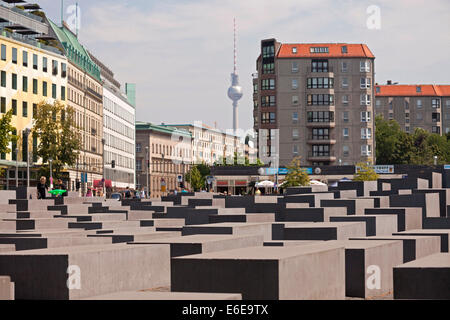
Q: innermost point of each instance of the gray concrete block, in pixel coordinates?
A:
(288, 243)
(166, 296)
(6, 289)
(360, 259)
(414, 247)
(310, 214)
(318, 231)
(426, 278)
(197, 244)
(7, 247)
(43, 274)
(135, 235)
(264, 229)
(243, 218)
(265, 273)
(407, 218)
(443, 234)
(376, 225)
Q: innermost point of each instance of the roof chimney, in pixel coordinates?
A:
(389, 82)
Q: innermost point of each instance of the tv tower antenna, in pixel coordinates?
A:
(235, 92)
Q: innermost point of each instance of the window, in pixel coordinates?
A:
(366, 133)
(436, 130)
(255, 88)
(344, 67)
(295, 134)
(419, 104)
(268, 101)
(365, 66)
(436, 103)
(320, 83)
(3, 52)
(295, 150)
(268, 68)
(365, 116)
(345, 133)
(14, 107)
(321, 134)
(294, 84)
(406, 105)
(365, 99)
(318, 50)
(407, 129)
(344, 83)
(320, 116)
(378, 103)
(366, 83)
(346, 151)
(138, 165)
(54, 67)
(391, 105)
(345, 99)
(25, 84)
(294, 99)
(44, 88)
(294, 67)
(3, 79)
(34, 110)
(436, 117)
(419, 116)
(63, 93)
(14, 55)
(344, 49)
(44, 64)
(320, 99)
(138, 148)
(35, 86)
(268, 84)
(63, 70)
(54, 94)
(366, 150)
(14, 81)
(295, 117)
(268, 117)
(378, 89)
(25, 109)
(447, 103)
(319, 66)
(345, 116)
(321, 151)
(25, 58)
(391, 116)
(35, 61)
(268, 51)
(3, 105)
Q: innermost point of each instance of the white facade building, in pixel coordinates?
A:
(119, 132)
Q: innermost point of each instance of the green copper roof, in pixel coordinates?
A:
(140, 126)
(75, 52)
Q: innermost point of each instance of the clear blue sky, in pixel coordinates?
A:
(180, 53)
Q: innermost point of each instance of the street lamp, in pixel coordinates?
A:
(50, 160)
(147, 155)
(16, 151)
(27, 134)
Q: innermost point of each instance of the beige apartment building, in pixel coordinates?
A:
(85, 95)
(415, 106)
(168, 154)
(315, 101)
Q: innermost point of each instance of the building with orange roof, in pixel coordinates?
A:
(315, 101)
(425, 106)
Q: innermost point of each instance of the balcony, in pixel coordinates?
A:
(314, 139)
(322, 124)
(321, 156)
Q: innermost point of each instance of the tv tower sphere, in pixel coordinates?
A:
(235, 92)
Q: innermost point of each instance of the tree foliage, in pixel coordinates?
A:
(238, 160)
(296, 175)
(394, 146)
(365, 173)
(195, 178)
(6, 132)
(57, 134)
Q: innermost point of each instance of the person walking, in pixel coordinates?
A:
(42, 188)
(62, 186)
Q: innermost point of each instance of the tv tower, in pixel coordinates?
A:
(235, 92)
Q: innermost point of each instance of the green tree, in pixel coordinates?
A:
(365, 173)
(296, 175)
(6, 132)
(195, 178)
(57, 134)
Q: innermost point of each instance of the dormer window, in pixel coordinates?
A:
(294, 50)
(418, 89)
(344, 49)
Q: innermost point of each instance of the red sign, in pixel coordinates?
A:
(99, 184)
